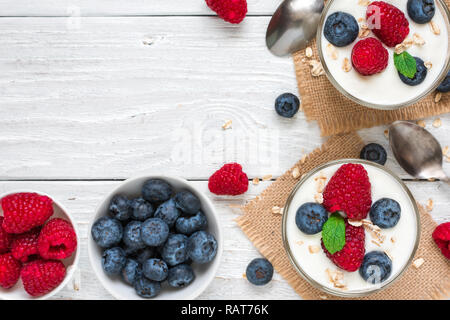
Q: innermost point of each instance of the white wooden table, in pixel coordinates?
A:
(93, 92)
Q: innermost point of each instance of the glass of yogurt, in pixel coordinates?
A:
(385, 90)
(399, 242)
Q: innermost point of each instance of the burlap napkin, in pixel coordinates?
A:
(337, 114)
(430, 281)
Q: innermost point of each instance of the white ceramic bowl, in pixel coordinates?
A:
(18, 292)
(204, 274)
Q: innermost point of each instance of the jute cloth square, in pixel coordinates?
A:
(263, 228)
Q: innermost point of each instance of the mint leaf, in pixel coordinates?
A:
(333, 233)
(405, 64)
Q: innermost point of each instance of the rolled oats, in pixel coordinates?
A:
(421, 123)
(316, 68)
(438, 97)
(308, 52)
(437, 122)
(435, 28)
(295, 173)
(418, 40)
(267, 177)
(346, 65)
(418, 263)
(227, 125)
(428, 65)
(313, 249)
(255, 181)
(318, 197)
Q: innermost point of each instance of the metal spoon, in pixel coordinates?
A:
(293, 25)
(417, 151)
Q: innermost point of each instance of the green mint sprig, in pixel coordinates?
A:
(333, 233)
(405, 64)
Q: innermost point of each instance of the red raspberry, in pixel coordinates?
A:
(349, 190)
(57, 240)
(233, 11)
(5, 238)
(24, 211)
(228, 180)
(9, 270)
(441, 236)
(369, 57)
(351, 255)
(387, 22)
(25, 245)
(42, 276)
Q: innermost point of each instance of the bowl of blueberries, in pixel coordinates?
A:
(155, 237)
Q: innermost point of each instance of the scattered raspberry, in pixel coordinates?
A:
(9, 270)
(228, 180)
(441, 236)
(40, 277)
(233, 11)
(352, 255)
(5, 238)
(57, 240)
(369, 57)
(387, 22)
(349, 190)
(24, 245)
(24, 211)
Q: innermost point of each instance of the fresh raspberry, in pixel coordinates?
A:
(5, 238)
(24, 245)
(387, 22)
(232, 11)
(9, 270)
(369, 57)
(441, 236)
(351, 255)
(57, 240)
(349, 190)
(42, 276)
(24, 211)
(228, 180)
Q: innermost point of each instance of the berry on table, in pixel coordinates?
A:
(376, 267)
(375, 153)
(131, 271)
(42, 276)
(287, 105)
(119, 208)
(202, 247)
(445, 85)
(156, 190)
(420, 75)
(259, 272)
(113, 261)
(132, 235)
(147, 288)
(154, 232)
(341, 29)
(9, 270)
(57, 240)
(141, 209)
(189, 225)
(311, 217)
(107, 232)
(232, 11)
(155, 269)
(441, 236)
(168, 212)
(5, 238)
(180, 276)
(385, 213)
(369, 57)
(228, 180)
(25, 246)
(174, 250)
(421, 11)
(187, 202)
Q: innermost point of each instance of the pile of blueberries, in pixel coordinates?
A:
(154, 238)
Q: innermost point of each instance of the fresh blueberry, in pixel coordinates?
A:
(376, 267)
(385, 213)
(156, 190)
(147, 288)
(287, 105)
(132, 235)
(107, 232)
(187, 202)
(259, 271)
(202, 247)
(119, 208)
(420, 75)
(168, 212)
(445, 85)
(145, 254)
(311, 217)
(174, 250)
(421, 11)
(375, 153)
(131, 271)
(141, 209)
(129, 251)
(154, 232)
(341, 29)
(180, 276)
(113, 260)
(189, 225)
(155, 269)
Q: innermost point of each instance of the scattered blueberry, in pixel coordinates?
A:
(375, 153)
(154, 232)
(259, 271)
(155, 269)
(421, 11)
(376, 267)
(131, 271)
(147, 288)
(119, 208)
(168, 212)
(202, 247)
(311, 217)
(180, 276)
(187, 202)
(113, 260)
(145, 254)
(174, 250)
(420, 75)
(445, 85)
(287, 105)
(385, 213)
(107, 232)
(341, 29)
(141, 209)
(189, 225)
(132, 235)
(156, 190)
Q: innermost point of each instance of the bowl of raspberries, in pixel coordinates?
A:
(38, 246)
(155, 237)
